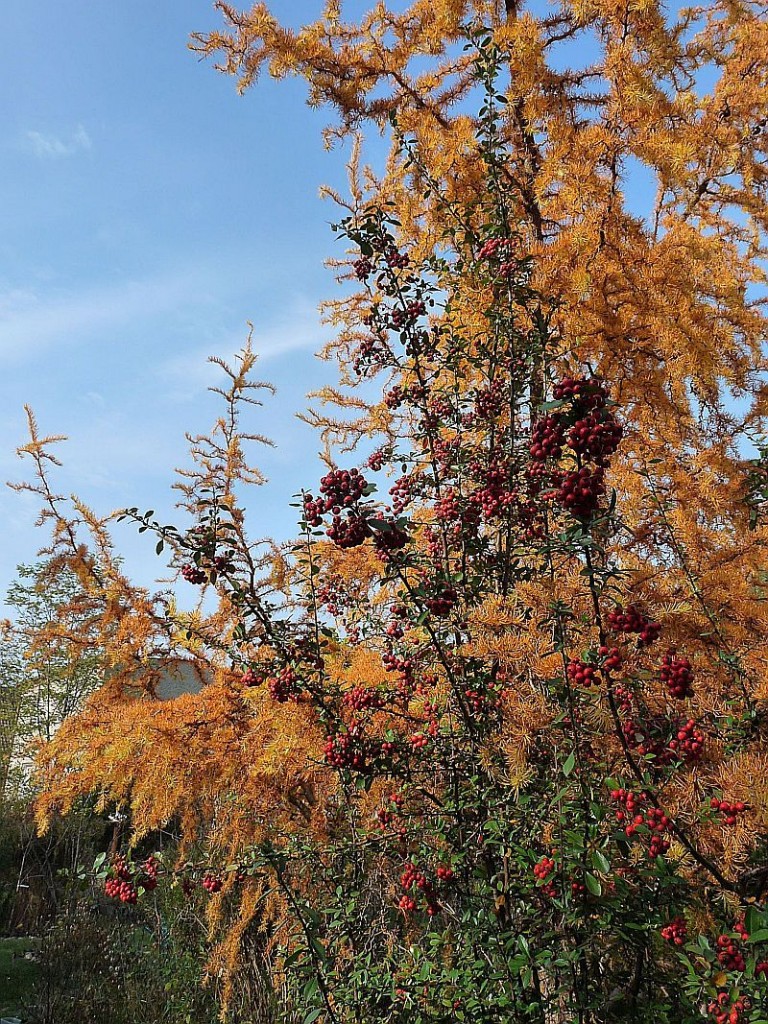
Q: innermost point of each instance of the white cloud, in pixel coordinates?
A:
(30, 322)
(47, 146)
(33, 320)
(299, 329)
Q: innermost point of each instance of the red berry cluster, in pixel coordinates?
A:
(582, 674)
(729, 811)
(688, 741)
(340, 488)
(677, 675)
(372, 351)
(283, 687)
(494, 497)
(411, 880)
(585, 392)
(362, 698)
(636, 813)
(192, 574)
(595, 437)
(580, 491)
(726, 1012)
(631, 620)
(495, 248)
(150, 870)
(395, 397)
(350, 532)
(611, 658)
(212, 883)
(389, 538)
(203, 540)
(441, 603)
(120, 886)
(547, 438)
(395, 259)
(332, 596)
(652, 738)
(402, 493)
(729, 952)
(448, 507)
(434, 544)
(624, 698)
(121, 869)
(440, 406)
(123, 891)
(446, 452)
(125, 882)
(251, 678)
(531, 520)
(403, 666)
(363, 268)
(377, 459)
(348, 750)
(489, 401)
(480, 700)
(445, 874)
(543, 869)
(403, 316)
(675, 932)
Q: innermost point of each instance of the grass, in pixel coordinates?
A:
(17, 976)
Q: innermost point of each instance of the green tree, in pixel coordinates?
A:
(48, 665)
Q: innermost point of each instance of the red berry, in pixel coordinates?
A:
(192, 574)
(677, 674)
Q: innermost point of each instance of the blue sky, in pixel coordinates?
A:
(148, 213)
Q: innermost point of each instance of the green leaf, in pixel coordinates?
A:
(319, 949)
(755, 920)
(759, 936)
(600, 862)
(593, 884)
(569, 764)
(549, 406)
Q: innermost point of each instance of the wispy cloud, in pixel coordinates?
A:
(30, 322)
(298, 329)
(47, 146)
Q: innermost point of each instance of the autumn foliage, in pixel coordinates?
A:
(488, 743)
